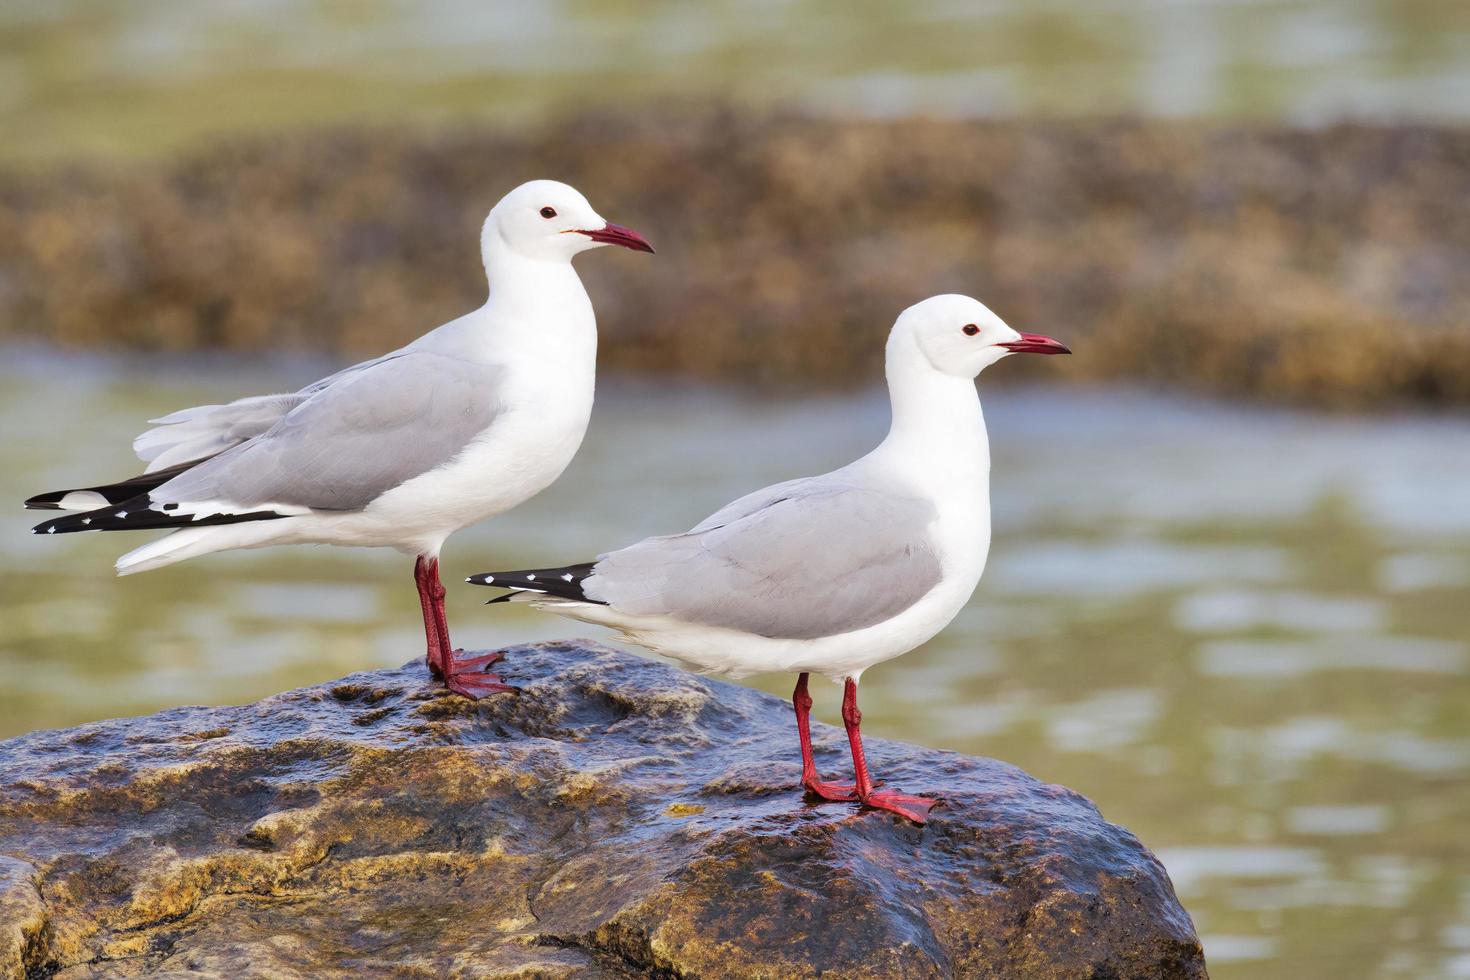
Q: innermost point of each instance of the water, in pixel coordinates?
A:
(143, 75)
(1243, 633)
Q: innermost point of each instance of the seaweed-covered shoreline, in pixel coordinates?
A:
(1326, 266)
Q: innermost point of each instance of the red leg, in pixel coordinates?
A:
(468, 676)
(421, 579)
(915, 808)
(802, 702)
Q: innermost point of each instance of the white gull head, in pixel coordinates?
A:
(548, 221)
(959, 336)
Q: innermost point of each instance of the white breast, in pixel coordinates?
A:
(525, 449)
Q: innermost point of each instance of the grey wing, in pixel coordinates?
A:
(806, 559)
(351, 441)
(208, 430)
(752, 502)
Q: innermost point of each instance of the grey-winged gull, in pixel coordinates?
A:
(828, 574)
(465, 422)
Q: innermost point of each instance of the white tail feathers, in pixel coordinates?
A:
(165, 551)
(207, 430)
(191, 542)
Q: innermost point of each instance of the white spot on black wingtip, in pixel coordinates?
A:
(488, 579)
(86, 520)
(566, 577)
(531, 577)
(122, 514)
(51, 529)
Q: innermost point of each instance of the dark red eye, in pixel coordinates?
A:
(548, 212)
(970, 329)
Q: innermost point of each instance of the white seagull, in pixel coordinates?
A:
(828, 574)
(466, 422)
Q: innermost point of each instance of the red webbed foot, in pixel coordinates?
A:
(831, 792)
(915, 808)
(469, 678)
(476, 684)
(476, 663)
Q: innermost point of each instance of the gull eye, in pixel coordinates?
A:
(970, 329)
(548, 212)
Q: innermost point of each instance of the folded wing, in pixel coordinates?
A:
(194, 434)
(340, 448)
(801, 560)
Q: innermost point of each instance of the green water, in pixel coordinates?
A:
(139, 76)
(1245, 634)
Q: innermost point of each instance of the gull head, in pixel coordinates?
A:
(958, 335)
(551, 221)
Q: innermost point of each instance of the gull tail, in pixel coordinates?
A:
(107, 494)
(558, 583)
(171, 548)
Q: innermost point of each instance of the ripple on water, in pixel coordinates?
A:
(1296, 658)
(1222, 610)
(1191, 867)
(1282, 752)
(975, 720)
(1103, 721)
(321, 601)
(1125, 567)
(1337, 819)
(1229, 948)
(1413, 571)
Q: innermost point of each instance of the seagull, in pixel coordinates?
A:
(463, 423)
(828, 574)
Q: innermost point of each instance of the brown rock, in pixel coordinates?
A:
(614, 818)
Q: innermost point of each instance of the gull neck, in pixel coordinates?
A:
(937, 420)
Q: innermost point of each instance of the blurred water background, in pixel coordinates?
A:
(1242, 628)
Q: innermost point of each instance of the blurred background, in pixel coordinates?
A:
(1229, 596)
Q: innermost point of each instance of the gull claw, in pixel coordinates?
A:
(915, 808)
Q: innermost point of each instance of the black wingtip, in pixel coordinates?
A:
(50, 500)
(558, 583)
(139, 514)
(114, 493)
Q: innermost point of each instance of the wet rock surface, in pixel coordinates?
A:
(615, 818)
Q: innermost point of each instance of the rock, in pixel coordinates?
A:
(614, 818)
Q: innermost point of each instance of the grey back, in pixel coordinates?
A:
(800, 560)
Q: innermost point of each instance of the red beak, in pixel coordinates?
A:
(1035, 343)
(611, 234)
